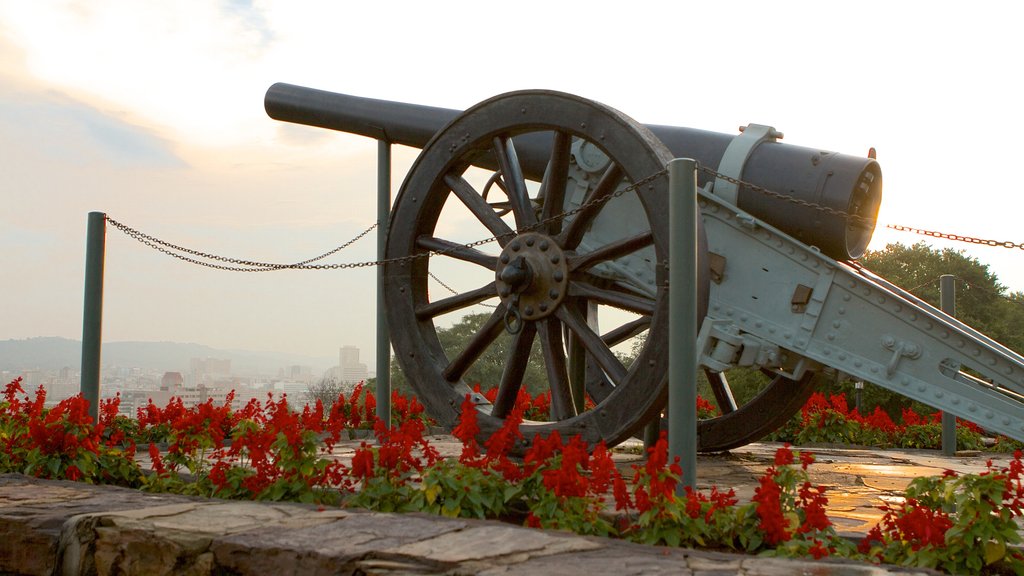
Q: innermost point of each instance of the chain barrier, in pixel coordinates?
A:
(984, 290)
(179, 252)
(453, 291)
(786, 198)
(238, 265)
(253, 266)
(957, 237)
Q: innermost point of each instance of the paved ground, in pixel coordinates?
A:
(50, 527)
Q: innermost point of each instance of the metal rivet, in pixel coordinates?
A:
(543, 307)
(544, 245)
(529, 241)
(528, 310)
(558, 276)
(516, 246)
(554, 294)
(555, 259)
(505, 258)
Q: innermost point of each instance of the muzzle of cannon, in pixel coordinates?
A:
(847, 184)
(553, 210)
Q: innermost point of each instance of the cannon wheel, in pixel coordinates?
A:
(764, 413)
(536, 278)
(737, 424)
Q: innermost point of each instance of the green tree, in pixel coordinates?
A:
(487, 370)
(981, 302)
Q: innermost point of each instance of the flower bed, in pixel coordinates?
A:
(266, 451)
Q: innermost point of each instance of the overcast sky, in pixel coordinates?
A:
(153, 113)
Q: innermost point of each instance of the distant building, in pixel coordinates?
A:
(350, 369)
(172, 381)
(206, 369)
(297, 372)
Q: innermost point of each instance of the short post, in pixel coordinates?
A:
(682, 371)
(947, 302)
(383, 336)
(92, 312)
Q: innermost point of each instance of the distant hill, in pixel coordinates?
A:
(51, 353)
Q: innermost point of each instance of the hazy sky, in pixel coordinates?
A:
(153, 113)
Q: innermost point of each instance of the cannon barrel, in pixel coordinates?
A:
(841, 183)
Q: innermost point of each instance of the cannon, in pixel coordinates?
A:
(568, 200)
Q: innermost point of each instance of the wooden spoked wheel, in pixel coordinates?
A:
(549, 280)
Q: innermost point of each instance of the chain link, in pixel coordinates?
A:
(455, 292)
(786, 198)
(957, 237)
(252, 266)
(242, 265)
(193, 256)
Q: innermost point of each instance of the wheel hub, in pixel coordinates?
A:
(531, 275)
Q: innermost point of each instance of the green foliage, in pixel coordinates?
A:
(959, 524)
(487, 370)
(981, 301)
(453, 489)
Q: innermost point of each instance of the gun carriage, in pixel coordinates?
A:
(574, 195)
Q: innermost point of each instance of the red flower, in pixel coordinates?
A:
(466, 430)
(783, 456)
(806, 459)
(72, 472)
(157, 461)
(769, 509)
(818, 550)
(362, 462)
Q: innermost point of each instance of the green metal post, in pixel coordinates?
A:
(682, 339)
(92, 313)
(383, 336)
(947, 302)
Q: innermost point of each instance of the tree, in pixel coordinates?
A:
(326, 390)
(487, 370)
(981, 302)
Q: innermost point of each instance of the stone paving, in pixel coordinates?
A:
(57, 527)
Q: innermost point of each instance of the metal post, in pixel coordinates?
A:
(383, 336)
(682, 368)
(947, 302)
(92, 312)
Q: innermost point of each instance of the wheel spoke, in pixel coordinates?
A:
(515, 367)
(593, 344)
(611, 251)
(457, 251)
(571, 235)
(479, 207)
(515, 185)
(452, 303)
(626, 331)
(722, 391)
(623, 300)
(554, 363)
(488, 333)
(555, 179)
